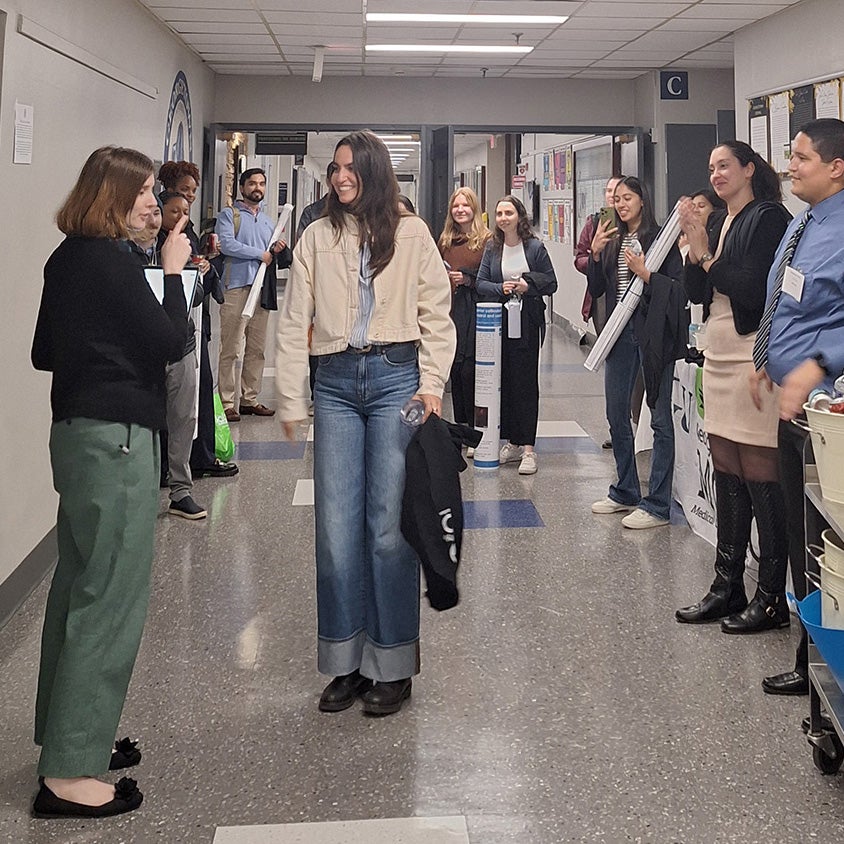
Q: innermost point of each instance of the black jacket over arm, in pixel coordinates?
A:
(432, 505)
(741, 271)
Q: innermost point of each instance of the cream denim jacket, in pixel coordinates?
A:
(412, 302)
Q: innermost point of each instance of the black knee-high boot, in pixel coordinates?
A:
(726, 594)
(768, 609)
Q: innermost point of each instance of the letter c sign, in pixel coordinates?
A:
(673, 85)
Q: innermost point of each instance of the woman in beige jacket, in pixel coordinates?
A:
(371, 281)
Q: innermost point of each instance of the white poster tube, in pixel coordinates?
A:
(622, 313)
(488, 383)
(258, 282)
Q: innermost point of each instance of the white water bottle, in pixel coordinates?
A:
(514, 313)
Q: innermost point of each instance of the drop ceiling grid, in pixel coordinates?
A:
(644, 35)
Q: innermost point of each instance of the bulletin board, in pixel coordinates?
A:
(773, 120)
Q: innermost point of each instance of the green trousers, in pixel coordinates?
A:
(106, 475)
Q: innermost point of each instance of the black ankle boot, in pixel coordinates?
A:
(386, 698)
(342, 692)
(712, 606)
(764, 612)
(726, 594)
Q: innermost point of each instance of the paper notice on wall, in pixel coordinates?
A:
(24, 122)
(759, 135)
(780, 110)
(828, 99)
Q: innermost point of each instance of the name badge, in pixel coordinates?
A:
(792, 283)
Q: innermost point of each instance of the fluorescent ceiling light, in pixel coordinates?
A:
(388, 138)
(384, 17)
(444, 48)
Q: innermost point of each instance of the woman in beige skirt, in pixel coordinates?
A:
(727, 272)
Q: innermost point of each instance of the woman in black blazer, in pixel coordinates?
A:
(516, 269)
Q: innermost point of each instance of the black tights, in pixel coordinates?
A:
(755, 463)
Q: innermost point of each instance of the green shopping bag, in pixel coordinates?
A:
(223, 442)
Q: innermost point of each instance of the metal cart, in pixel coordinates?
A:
(827, 747)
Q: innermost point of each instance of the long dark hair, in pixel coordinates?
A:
(376, 207)
(523, 229)
(765, 183)
(647, 224)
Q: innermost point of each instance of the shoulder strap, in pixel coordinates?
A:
(236, 219)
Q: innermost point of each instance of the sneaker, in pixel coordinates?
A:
(510, 453)
(607, 505)
(528, 464)
(640, 519)
(470, 453)
(187, 508)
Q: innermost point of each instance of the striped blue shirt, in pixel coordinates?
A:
(366, 301)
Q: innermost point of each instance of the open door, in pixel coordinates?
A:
(436, 175)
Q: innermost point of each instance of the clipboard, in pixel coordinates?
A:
(155, 280)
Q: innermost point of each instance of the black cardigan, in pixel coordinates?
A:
(741, 271)
(541, 281)
(103, 335)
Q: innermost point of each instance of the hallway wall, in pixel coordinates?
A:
(75, 110)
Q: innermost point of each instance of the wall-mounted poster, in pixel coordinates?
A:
(758, 116)
(802, 107)
(828, 99)
(779, 107)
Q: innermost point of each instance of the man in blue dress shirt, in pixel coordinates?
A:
(805, 348)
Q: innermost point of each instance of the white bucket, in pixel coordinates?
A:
(828, 444)
(832, 593)
(833, 547)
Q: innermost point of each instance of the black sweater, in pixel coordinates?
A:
(103, 335)
(741, 271)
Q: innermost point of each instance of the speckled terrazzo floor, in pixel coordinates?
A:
(560, 702)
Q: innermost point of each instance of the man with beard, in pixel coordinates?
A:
(244, 232)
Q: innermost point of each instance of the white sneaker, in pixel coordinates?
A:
(510, 453)
(607, 505)
(640, 519)
(470, 453)
(528, 464)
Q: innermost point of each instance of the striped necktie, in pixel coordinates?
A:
(763, 334)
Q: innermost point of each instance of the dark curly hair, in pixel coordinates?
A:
(171, 172)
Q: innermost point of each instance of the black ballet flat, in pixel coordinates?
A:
(127, 798)
(125, 755)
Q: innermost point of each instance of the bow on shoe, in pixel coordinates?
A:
(125, 788)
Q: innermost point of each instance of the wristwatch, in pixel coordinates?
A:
(707, 256)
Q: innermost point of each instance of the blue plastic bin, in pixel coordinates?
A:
(829, 642)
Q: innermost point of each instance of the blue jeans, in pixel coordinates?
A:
(622, 367)
(367, 574)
